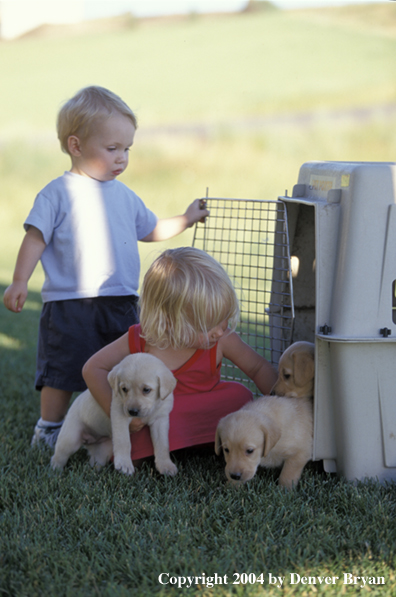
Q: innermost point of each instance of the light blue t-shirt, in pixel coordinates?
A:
(91, 230)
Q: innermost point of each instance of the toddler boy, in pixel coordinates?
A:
(84, 227)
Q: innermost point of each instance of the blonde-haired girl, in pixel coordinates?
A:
(188, 315)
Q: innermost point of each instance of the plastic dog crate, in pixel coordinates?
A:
(342, 227)
(321, 266)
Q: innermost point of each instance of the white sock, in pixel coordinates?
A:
(43, 423)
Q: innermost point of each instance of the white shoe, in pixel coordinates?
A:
(45, 433)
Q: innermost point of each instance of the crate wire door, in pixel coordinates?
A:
(250, 239)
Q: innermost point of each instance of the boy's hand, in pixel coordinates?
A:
(15, 296)
(195, 213)
(167, 228)
(29, 254)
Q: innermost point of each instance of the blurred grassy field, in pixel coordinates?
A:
(245, 84)
(219, 73)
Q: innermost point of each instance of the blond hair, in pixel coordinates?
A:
(80, 114)
(185, 294)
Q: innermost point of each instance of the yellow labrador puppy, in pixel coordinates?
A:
(296, 371)
(142, 387)
(270, 432)
(276, 430)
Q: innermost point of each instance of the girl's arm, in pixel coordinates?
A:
(169, 227)
(257, 368)
(97, 368)
(29, 255)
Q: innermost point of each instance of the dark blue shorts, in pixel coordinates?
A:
(72, 331)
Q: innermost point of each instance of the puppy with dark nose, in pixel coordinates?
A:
(142, 386)
(296, 371)
(273, 431)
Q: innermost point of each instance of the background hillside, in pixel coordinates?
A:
(235, 103)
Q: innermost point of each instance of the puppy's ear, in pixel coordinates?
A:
(218, 440)
(304, 368)
(272, 435)
(166, 383)
(112, 378)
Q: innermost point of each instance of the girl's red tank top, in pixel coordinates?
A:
(199, 374)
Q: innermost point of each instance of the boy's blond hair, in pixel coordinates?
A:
(80, 114)
(185, 293)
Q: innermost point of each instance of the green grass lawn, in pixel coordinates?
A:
(85, 533)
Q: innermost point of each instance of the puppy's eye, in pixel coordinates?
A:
(249, 451)
(124, 389)
(226, 450)
(287, 376)
(146, 390)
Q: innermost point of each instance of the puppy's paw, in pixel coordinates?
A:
(56, 466)
(124, 465)
(95, 464)
(166, 468)
(287, 484)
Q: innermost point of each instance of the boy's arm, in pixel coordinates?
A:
(168, 227)
(29, 255)
(257, 368)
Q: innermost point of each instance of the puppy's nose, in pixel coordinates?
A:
(134, 412)
(236, 476)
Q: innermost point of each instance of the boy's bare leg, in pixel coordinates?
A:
(54, 404)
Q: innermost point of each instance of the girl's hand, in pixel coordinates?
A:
(136, 425)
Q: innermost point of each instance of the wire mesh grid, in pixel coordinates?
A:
(250, 239)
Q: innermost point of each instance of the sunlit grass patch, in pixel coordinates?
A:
(9, 343)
